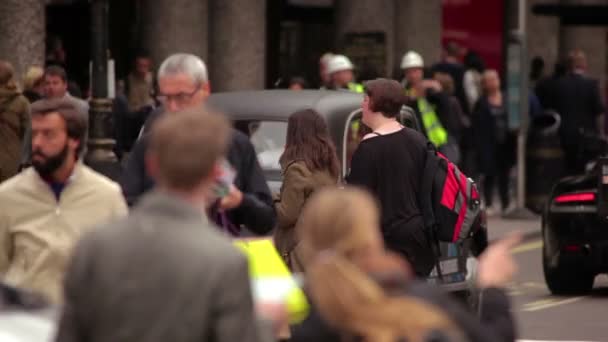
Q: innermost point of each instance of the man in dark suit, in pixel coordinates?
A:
(164, 273)
(577, 99)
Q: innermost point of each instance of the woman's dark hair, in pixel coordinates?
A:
(308, 140)
(473, 61)
(537, 66)
(385, 96)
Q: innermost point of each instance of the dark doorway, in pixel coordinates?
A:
(68, 24)
(297, 36)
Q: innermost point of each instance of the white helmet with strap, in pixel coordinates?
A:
(339, 63)
(412, 59)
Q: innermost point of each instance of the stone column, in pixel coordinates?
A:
(172, 26)
(237, 44)
(590, 39)
(418, 25)
(22, 33)
(358, 16)
(543, 36)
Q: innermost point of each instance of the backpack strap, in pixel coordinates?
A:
(426, 203)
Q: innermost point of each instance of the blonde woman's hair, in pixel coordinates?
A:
(356, 305)
(33, 77)
(343, 220)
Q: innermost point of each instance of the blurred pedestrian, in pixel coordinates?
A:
(183, 84)
(537, 70)
(46, 208)
(452, 65)
(546, 88)
(297, 83)
(184, 280)
(14, 122)
(456, 112)
(323, 75)
(134, 102)
(579, 103)
(432, 107)
(139, 84)
(33, 83)
(496, 150)
(472, 79)
(341, 73)
(389, 163)
(358, 289)
(56, 87)
(308, 163)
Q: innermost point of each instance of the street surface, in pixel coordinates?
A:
(540, 315)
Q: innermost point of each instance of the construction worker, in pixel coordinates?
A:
(432, 107)
(340, 70)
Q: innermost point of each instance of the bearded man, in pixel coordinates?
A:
(45, 209)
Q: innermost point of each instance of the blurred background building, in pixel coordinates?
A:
(252, 44)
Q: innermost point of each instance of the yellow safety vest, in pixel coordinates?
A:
(356, 87)
(430, 122)
(434, 130)
(265, 264)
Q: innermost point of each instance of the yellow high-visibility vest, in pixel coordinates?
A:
(266, 267)
(431, 124)
(356, 87)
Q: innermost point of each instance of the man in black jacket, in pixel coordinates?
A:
(183, 83)
(578, 101)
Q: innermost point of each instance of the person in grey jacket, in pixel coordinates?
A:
(164, 273)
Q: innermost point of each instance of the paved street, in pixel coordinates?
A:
(540, 315)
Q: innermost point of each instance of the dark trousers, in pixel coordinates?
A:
(500, 176)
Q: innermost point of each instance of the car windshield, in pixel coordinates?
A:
(268, 139)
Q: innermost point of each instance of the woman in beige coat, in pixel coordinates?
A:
(308, 163)
(14, 122)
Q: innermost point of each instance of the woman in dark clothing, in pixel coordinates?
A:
(359, 289)
(494, 141)
(389, 163)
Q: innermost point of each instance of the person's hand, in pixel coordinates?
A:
(232, 200)
(496, 265)
(276, 313)
(431, 84)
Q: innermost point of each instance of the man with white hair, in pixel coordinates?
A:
(183, 84)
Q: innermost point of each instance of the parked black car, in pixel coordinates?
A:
(575, 229)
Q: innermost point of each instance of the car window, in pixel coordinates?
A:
(355, 130)
(268, 139)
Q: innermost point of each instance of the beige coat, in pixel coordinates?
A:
(37, 232)
(299, 182)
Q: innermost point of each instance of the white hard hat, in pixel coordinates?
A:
(339, 63)
(412, 59)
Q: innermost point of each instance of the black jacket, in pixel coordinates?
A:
(495, 323)
(578, 101)
(256, 211)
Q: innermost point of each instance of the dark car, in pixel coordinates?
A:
(263, 115)
(575, 230)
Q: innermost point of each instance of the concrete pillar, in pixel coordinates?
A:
(22, 33)
(418, 25)
(543, 36)
(237, 44)
(358, 16)
(590, 39)
(172, 26)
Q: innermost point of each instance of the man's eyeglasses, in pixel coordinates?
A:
(177, 98)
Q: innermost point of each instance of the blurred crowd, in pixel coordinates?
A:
(150, 258)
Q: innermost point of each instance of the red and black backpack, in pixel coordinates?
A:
(449, 200)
